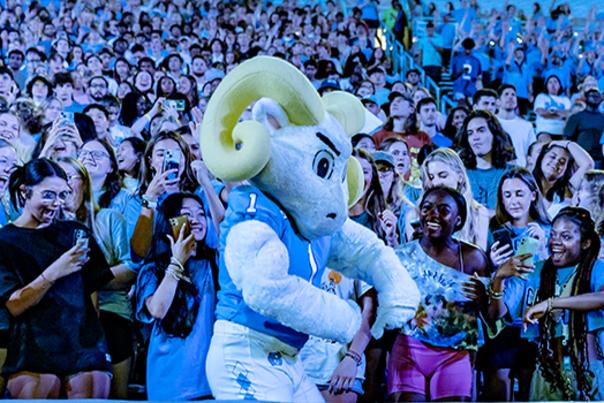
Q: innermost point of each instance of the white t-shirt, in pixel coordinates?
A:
(547, 102)
(522, 134)
(321, 357)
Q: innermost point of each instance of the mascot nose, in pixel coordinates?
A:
(331, 215)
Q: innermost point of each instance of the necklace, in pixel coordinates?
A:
(561, 286)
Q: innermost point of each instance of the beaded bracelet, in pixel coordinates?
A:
(494, 294)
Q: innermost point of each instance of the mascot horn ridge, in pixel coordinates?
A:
(289, 223)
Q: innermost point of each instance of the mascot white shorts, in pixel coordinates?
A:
(245, 364)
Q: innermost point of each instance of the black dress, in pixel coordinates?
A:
(62, 334)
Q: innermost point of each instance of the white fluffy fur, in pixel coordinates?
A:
(258, 262)
(357, 252)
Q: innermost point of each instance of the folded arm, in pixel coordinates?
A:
(258, 265)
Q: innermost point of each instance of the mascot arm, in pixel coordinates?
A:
(357, 252)
(257, 262)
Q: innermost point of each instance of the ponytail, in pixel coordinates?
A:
(14, 187)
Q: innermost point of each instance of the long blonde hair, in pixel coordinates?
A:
(447, 156)
(86, 212)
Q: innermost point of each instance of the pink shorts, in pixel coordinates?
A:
(434, 372)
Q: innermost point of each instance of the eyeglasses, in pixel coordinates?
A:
(385, 169)
(49, 196)
(95, 155)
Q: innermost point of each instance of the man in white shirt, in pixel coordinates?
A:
(520, 131)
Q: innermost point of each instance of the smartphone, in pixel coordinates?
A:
(178, 104)
(527, 244)
(176, 223)
(172, 161)
(66, 119)
(503, 236)
(80, 237)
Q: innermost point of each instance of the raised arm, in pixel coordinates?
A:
(357, 253)
(258, 265)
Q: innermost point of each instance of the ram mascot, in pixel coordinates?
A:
(283, 226)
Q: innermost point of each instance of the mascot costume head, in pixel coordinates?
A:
(298, 148)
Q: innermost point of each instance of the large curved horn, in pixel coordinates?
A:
(235, 152)
(347, 110)
(355, 181)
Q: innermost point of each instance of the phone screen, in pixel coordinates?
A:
(172, 161)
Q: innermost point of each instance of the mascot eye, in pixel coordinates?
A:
(323, 164)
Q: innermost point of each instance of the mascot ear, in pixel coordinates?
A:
(355, 180)
(346, 109)
(270, 114)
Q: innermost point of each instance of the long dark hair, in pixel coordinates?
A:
(113, 181)
(451, 131)
(502, 150)
(138, 146)
(537, 211)
(550, 365)
(374, 201)
(180, 318)
(31, 174)
(188, 182)
(129, 111)
(560, 187)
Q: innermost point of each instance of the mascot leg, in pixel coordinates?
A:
(249, 365)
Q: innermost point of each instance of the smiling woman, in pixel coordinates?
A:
(439, 340)
(55, 337)
(566, 318)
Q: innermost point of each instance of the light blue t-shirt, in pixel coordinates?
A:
(430, 56)
(484, 185)
(175, 365)
(520, 294)
(249, 203)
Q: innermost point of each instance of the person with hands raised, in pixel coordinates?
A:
(158, 180)
(560, 305)
(176, 294)
(55, 337)
(61, 141)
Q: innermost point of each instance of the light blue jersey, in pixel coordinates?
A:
(307, 260)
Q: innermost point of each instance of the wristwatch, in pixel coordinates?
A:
(148, 203)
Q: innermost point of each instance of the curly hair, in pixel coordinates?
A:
(502, 150)
(549, 361)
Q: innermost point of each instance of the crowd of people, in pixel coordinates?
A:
(496, 212)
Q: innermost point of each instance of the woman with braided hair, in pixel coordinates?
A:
(565, 317)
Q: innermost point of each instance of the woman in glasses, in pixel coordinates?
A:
(101, 163)
(55, 337)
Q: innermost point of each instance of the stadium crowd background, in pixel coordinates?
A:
(502, 104)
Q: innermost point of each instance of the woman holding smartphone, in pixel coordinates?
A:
(176, 294)
(520, 214)
(55, 337)
(560, 303)
(158, 180)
